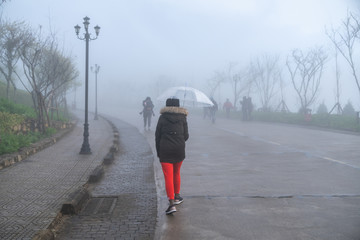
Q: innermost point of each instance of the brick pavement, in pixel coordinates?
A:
(124, 203)
(33, 191)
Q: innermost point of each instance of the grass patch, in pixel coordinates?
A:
(331, 121)
(14, 142)
(11, 115)
(14, 108)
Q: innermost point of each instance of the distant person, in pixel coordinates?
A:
(244, 108)
(227, 106)
(249, 108)
(147, 112)
(213, 109)
(170, 136)
(206, 112)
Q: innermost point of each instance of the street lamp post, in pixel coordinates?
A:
(96, 71)
(85, 148)
(236, 79)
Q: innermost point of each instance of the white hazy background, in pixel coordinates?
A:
(145, 46)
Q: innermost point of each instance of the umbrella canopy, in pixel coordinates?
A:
(188, 96)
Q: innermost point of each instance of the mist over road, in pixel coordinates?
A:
(247, 180)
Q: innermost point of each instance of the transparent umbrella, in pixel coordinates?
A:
(188, 96)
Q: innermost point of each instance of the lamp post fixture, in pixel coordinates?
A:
(236, 79)
(85, 148)
(96, 71)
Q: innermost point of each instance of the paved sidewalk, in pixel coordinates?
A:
(124, 203)
(33, 191)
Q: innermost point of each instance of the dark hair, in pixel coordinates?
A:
(172, 102)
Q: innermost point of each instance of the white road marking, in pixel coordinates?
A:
(279, 144)
(275, 143)
(256, 138)
(338, 161)
(230, 131)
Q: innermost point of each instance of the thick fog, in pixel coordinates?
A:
(147, 46)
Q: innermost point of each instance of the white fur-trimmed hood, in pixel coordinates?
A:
(179, 110)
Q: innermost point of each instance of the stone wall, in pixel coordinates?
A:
(31, 125)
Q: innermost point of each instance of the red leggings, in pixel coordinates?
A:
(172, 178)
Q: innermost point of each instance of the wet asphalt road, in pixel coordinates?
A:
(262, 181)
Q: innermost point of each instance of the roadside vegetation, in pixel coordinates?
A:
(266, 79)
(11, 116)
(15, 125)
(12, 137)
(347, 121)
(330, 121)
(35, 76)
(36, 63)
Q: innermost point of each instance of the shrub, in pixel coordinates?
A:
(13, 142)
(322, 109)
(9, 143)
(50, 131)
(9, 120)
(349, 110)
(12, 115)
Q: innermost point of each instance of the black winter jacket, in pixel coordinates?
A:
(171, 134)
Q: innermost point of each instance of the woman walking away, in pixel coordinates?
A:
(170, 136)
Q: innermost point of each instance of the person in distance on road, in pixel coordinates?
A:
(170, 136)
(227, 106)
(147, 112)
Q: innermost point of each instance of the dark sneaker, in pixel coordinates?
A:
(178, 200)
(171, 209)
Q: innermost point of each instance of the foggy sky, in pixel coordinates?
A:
(187, 40)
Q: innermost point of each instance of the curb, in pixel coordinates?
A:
(44, 234)
(96, 174)
(75, 202)
(78, 198)
(109, 158)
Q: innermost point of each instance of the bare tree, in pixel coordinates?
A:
(56, 97)
(215, 82)
(242, 82)
(12, 37)
(306, 71)
(230, 75)
(55, 74)
(31, 54)
(49, 74)
(267, 76)
(282, 107)
(3, 1)
(337, 105)
(238, 79)
(68, 79)
(344, 40)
